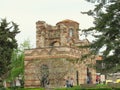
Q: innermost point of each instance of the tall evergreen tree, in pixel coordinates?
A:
(100, 1)
(8, 31)
(107, 27)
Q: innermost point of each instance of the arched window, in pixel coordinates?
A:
(70, 32)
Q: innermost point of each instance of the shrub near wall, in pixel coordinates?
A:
(33, 89)
(114, 85)
(73, 88)
(25, 89)
(88, 87)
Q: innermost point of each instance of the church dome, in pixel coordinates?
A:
(67, 21)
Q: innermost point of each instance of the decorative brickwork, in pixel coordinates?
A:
(57, 56)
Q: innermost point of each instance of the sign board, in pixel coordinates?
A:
(102, 78)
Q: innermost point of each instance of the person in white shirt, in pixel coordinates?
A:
(71, 82)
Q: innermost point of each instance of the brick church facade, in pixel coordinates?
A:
(57, 56)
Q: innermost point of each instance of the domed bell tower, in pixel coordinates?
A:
(69, 32)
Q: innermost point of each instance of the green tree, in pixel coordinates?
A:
(107, 37)
(17, 62)
(17, 65)
(100, 1)
(8, 31)
(25, 45)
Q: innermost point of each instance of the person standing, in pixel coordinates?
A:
(71, 82)
(68, 82)
(18, 84)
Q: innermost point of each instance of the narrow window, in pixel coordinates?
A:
(77, 77)
(71, 32)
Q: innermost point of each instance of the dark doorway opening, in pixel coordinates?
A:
(44, 75)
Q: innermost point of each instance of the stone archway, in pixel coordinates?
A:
(55, 43)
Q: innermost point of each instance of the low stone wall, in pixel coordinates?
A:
(114, 85)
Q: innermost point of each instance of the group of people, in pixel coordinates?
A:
(69, 82)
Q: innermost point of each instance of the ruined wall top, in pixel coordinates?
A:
(65, 33)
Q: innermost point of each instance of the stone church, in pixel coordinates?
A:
(57, 56)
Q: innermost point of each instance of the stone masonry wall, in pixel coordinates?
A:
(57, 56)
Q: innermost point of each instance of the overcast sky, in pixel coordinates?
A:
(26, 12)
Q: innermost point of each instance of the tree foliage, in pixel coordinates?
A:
(25, 45)
(17, 62)
(8, 31)
(100, 1)
(107, 27)
(17, 65)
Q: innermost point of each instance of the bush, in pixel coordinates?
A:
(25, 89)
(73, 88)
(114, 85)
(88, 85)
(2, 88)
(102, 86)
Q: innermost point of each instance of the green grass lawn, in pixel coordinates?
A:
(84, 87)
